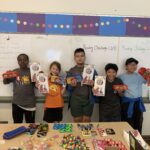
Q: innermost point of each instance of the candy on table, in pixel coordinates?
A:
(101, 132)
(63, 127)
(36, 144)
(14, 148)
(86, 129)
(32, 128)
(10, 74)
(42, 130)
(85, 126)
(102, 144)
(72, 142)
(93, 133)
(86, 133)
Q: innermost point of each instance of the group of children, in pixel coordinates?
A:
(114, 106)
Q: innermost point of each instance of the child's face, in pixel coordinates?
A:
(131, 68)
(23, 61)
(54, 70)
(79, 58)
(111, 74)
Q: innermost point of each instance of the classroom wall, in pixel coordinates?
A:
(101, 7)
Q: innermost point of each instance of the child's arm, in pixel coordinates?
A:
(94, 91)
(10, 76)
(63, 90)
(45, 94)
(120, 93)
(7, 81)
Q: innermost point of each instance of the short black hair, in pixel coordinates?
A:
(111, 66)
(57, 64)
(23, 55)
(79, 50)
(131, 60)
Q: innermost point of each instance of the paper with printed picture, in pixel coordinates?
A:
(88, 73)
(35, 68)
(42, 83)
(99, 85)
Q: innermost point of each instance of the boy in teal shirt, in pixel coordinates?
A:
(132, 103)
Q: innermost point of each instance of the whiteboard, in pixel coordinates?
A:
(138, 48)
(47, 48)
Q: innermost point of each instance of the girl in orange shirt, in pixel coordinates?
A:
(54, 102)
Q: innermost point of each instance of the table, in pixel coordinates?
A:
(117, 126)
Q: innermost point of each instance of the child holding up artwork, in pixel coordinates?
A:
(132, 103)
(54, 103)
(109, 104)
(81, 98)
(23, 102)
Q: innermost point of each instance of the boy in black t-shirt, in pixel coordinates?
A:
(109, 105)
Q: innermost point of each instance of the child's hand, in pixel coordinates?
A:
(37, 84)
(95, 91)
(45, 94)
(84, 80)
(91, 83)
(41, 72)
(74, 82)
(148, 70)
(148, 81)
(58, 81)
(120, 92)
(63, 91)
(34, 78)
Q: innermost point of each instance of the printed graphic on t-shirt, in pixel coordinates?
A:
(53, 89)
(24, 80)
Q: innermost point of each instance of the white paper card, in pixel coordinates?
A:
(35, 68)
(99, 85)
(88, 74)
(42, 83)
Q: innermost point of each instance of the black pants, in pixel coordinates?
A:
(53, 114)
(18, 113)
(136, 120)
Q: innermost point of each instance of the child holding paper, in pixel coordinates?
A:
(23, 102)
(132, 103)
(109, 104)
(81, 99)
(54, 102)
